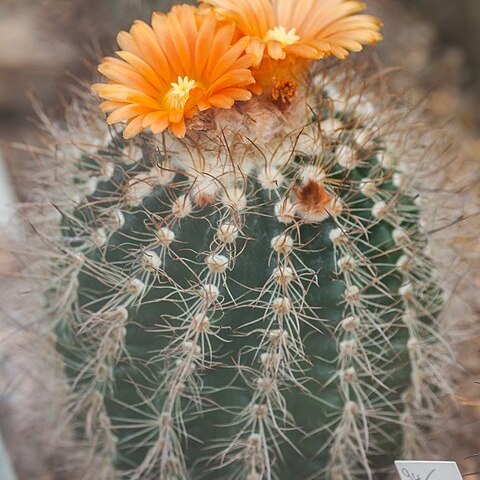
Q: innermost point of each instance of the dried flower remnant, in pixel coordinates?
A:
(283, 92)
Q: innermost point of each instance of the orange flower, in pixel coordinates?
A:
(310, 29)
(186, 62)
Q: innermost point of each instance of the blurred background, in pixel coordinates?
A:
(49, 47)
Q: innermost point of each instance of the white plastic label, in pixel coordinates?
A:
(420, 470)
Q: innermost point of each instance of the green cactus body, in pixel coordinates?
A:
(252, 302)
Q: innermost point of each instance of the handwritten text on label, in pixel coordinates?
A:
(426, 470)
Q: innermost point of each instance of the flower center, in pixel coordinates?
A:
(281, 35)
(177, 96)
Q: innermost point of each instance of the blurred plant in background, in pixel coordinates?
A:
(457, 24)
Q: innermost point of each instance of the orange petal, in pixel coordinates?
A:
(159, 127)
(179, 129)
(148, 44)
(127, 77)
(176, 116)
(133, 128)
(203, 105)
(238, 94)
(275, 50)
(155, 117)
(119, 93)
(339, 52)
(257, 49)
(108, 106)
(220, 45)
(221, 101)
(230, 57)
(204, 40)
(144, 69)
(164, 39)
(306, 51)
(157, 121)
(126, 42)
(189, 25)
(181, 43)
(235, 78)
(126, 113)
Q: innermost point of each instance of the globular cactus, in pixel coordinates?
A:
(242, 290)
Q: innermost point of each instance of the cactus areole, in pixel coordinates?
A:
(244, 291)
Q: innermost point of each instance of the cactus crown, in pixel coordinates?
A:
(243, 289)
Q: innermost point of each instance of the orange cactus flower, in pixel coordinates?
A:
(309, 29)
(184, 63)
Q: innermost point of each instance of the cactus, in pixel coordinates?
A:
(249, 296)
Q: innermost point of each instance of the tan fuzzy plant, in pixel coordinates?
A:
(235, 269)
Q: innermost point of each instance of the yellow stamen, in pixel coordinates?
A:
(177, 96)
(281, 35)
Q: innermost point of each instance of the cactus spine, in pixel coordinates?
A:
(252, 301)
